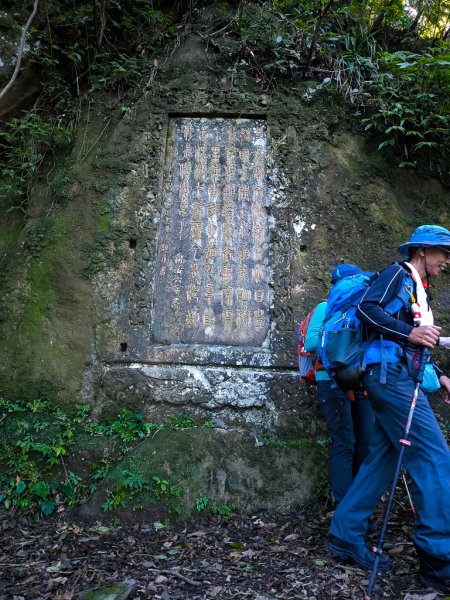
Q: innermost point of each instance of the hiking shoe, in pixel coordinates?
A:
(358, 553)
(429, 581)
(434, 571)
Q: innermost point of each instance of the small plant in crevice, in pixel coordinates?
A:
(179, 421)
(131, 484)
(129, 426)
(166, 488)
(99, 471)
(201, 503)
(82, 414)
(223, 511)
(124, 490)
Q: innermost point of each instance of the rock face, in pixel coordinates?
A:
(225, 467)
(81, 319)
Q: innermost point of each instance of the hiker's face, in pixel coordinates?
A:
(436, 260)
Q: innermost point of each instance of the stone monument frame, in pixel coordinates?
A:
(139, 343)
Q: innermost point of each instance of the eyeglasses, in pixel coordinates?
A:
(445, 250)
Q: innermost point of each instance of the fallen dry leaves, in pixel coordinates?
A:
(260, 557)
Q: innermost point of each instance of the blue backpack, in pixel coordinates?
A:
(341, 348)
(347, 292)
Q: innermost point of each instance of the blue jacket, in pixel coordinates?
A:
(394, 282)
(391, 283)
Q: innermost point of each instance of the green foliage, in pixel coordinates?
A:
(89, 44)
(131, 484)
(34, 477)
(8, 406)
(165, 488)
(125, 490)
(201, 503)
(24, 144)
(354, 46)
(113, 71)
(362, 49)
(99, 471)
(180, 421)
(28, 478)
(411, 95)
(82, 412)
(129, 426)
(223, 511)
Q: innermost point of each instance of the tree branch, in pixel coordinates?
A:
(316, 35)
(20, 53)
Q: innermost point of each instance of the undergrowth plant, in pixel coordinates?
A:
(86, 45)
(411, 102)
(129, 485)
(391, 63)
(25, 142)
(34, 477)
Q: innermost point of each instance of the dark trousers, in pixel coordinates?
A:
(349, 426)
(427, 461)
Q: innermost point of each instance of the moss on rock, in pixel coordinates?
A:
(232, 468)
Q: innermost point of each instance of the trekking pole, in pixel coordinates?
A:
(408, 493)
(378, 550)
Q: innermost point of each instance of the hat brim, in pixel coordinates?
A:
(404, 248)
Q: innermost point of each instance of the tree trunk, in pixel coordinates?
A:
(380, 17)
(20, 53)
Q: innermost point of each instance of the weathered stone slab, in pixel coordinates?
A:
(212, 272)
(271, 400)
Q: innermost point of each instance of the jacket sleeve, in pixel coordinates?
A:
(371, 307)
(315, 325)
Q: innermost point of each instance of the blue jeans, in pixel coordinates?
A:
(427, 461)
(349, 425)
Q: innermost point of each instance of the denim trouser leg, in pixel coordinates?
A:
(427, 461)
(363, 424)
(334, 407)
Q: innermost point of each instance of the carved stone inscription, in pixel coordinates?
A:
(211, 284)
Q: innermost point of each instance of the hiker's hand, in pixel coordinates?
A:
(445, 388)
(425, 335)
(444, 342)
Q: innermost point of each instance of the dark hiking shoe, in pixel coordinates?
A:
(434, 572)
(430, 581)
(358, 553)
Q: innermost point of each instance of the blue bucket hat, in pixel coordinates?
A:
(426, 236)
(346, 270)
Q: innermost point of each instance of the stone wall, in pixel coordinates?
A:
(78, 312)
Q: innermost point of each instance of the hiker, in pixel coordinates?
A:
(349, 421)
(390, 383)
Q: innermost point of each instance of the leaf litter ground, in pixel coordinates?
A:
(260, 557)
